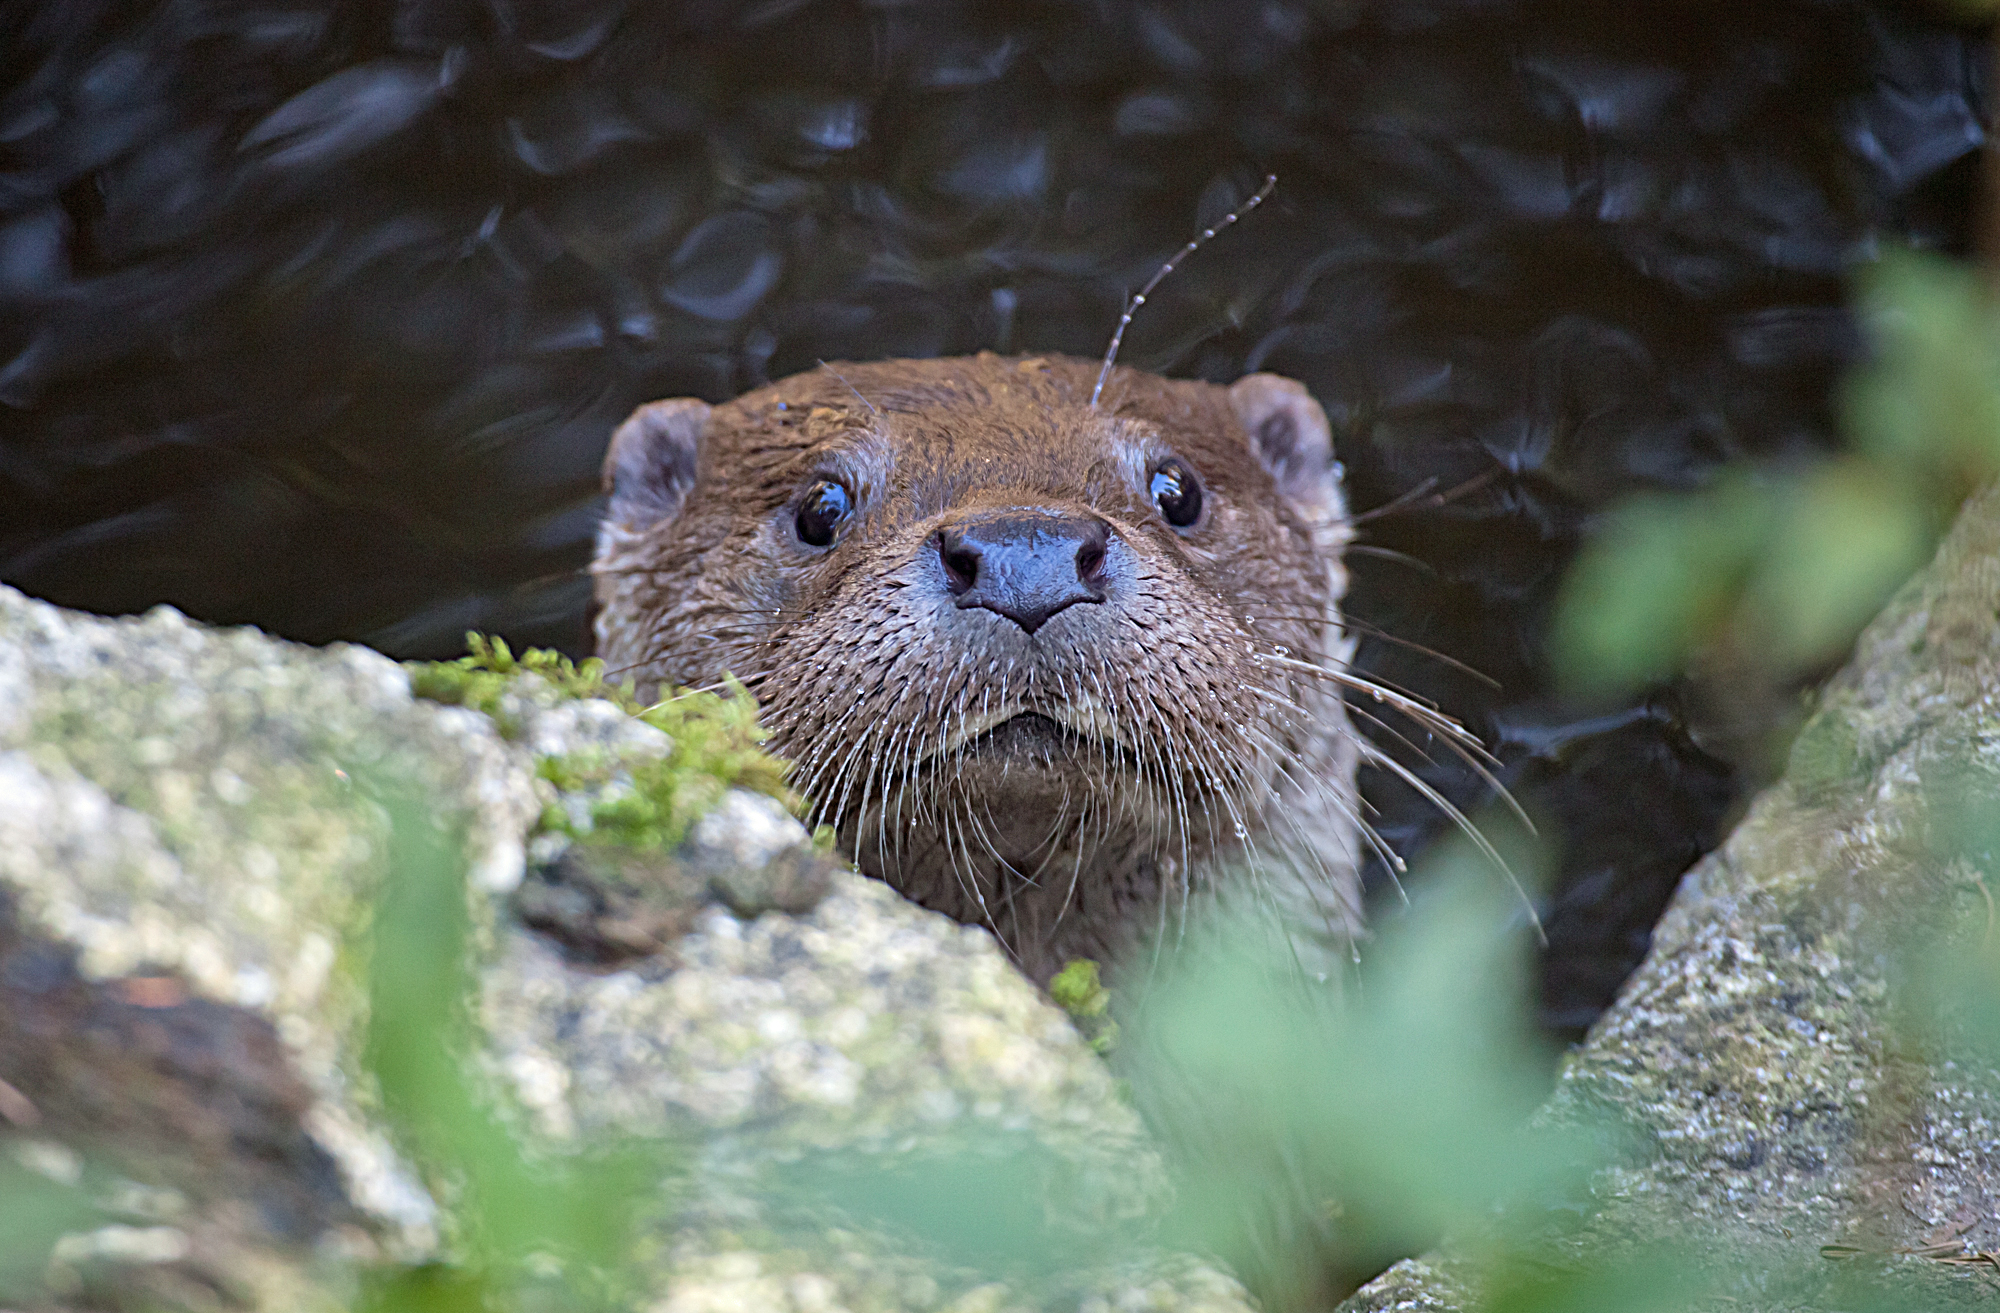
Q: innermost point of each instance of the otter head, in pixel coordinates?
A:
(1045, 667)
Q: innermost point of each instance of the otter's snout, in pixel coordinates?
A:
(1024, 564)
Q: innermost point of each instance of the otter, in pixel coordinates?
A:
(1046, 666)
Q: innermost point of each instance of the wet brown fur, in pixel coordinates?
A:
(1218, 757)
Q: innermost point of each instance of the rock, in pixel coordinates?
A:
(1798, 1132)
(195, 826)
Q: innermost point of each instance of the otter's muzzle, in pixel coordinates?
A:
(1024, 564)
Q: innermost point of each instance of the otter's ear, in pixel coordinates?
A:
(1289, 434)
(652, 462)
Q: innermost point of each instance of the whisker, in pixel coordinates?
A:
(1363, 627)
(1139, 299)
(1418, 709)
(1376, 757)
(851, 388)
(1394, 504)
(1409, 499)
(1391, 554)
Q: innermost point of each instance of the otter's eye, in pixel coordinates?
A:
(821, 513)
(1177, 493)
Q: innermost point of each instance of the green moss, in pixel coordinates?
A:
(1079, 990)
(481, 679)
(718, 734)
(662, 800)
(717, 743)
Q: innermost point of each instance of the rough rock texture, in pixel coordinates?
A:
(193, 825)
(1780, 1098)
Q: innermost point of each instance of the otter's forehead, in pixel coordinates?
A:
(941, 431)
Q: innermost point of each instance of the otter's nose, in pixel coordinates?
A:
(1025, 565)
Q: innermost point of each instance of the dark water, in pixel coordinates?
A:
(318, 316)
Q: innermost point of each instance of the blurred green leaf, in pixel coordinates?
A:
(1659, 579)
(1844, 540)
(1927, 406)
(430, 1288)
(995, 1203)
(1952, 969)
(1401, 1104)
(35, 1212)
(1645, 1282)
(578, 1211)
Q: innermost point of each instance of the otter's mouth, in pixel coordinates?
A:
(1033, 736)
(1027, 734)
